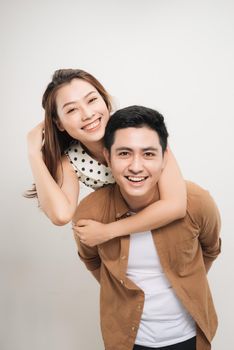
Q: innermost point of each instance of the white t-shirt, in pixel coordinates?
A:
(164, 320)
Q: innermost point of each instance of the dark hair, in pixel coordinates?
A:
(56, 141)
(136, 117)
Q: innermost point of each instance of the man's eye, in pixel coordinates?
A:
(149, 154)
(123, 153)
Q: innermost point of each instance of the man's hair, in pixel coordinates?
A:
(136, 117)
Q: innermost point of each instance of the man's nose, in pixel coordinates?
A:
(136, 165)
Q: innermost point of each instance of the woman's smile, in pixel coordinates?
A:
(93, 126)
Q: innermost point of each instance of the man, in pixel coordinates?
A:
(154, 289)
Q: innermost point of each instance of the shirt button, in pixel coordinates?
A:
(139, 307)
(121, 281)
(133, 328)
(123, 257)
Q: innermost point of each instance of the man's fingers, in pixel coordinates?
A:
(82, 222)
(81, 237)
(77, 228)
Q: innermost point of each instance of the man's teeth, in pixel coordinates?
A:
(136, 179)
(92, 125)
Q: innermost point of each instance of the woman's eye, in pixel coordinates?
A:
(71, 110)
(92, 99)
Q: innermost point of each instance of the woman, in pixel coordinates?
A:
(77, 109)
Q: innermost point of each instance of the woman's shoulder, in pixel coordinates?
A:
(89, 171)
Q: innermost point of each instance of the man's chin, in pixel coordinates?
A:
(134, 193)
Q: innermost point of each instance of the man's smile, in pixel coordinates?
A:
(136, 179)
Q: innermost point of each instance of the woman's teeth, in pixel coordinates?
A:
(92, 125)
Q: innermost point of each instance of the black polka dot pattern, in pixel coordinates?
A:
(92, 173)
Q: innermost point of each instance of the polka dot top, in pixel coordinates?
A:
(89, 171)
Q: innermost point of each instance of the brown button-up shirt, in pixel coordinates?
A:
(186, 249)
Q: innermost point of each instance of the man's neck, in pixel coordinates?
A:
(136, 204)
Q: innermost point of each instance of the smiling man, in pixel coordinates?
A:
(154, 289)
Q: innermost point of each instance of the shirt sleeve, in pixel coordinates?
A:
(87, 209)
(89, 255)
(210, 225)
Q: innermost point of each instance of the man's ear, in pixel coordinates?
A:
(59, 124)
(106, 154)
(165, 157)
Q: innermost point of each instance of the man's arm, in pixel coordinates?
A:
(87, 209)
(89, 256)
(96, 274)
(210, 225)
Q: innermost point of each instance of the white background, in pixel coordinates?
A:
(176, 56)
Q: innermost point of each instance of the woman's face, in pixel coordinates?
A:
(82, 111)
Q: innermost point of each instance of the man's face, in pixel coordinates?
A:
(136, 161)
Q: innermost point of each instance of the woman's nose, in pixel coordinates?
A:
(87, 113)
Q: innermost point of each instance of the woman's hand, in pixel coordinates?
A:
(92, 233)
(35, 140)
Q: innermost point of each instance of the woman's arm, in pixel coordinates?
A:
(170, 207)
(58, 201)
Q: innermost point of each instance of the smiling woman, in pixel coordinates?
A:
(77, 109)
(82, 112)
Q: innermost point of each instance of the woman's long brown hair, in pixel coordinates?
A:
(56, 141)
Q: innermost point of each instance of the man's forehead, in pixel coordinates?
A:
(143, 137)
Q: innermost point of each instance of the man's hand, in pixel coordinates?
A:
(92, 233)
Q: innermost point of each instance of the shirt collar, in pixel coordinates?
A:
(121, 208)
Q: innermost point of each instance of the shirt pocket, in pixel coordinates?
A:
(187, 256)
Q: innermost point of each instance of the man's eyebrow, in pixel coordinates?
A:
(123, 149)
(155, 149)
(150, 149)
(73, 102)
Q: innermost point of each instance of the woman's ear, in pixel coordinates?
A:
(59, 124)
(106, 154)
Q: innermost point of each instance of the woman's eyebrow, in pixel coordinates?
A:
(72, 102)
